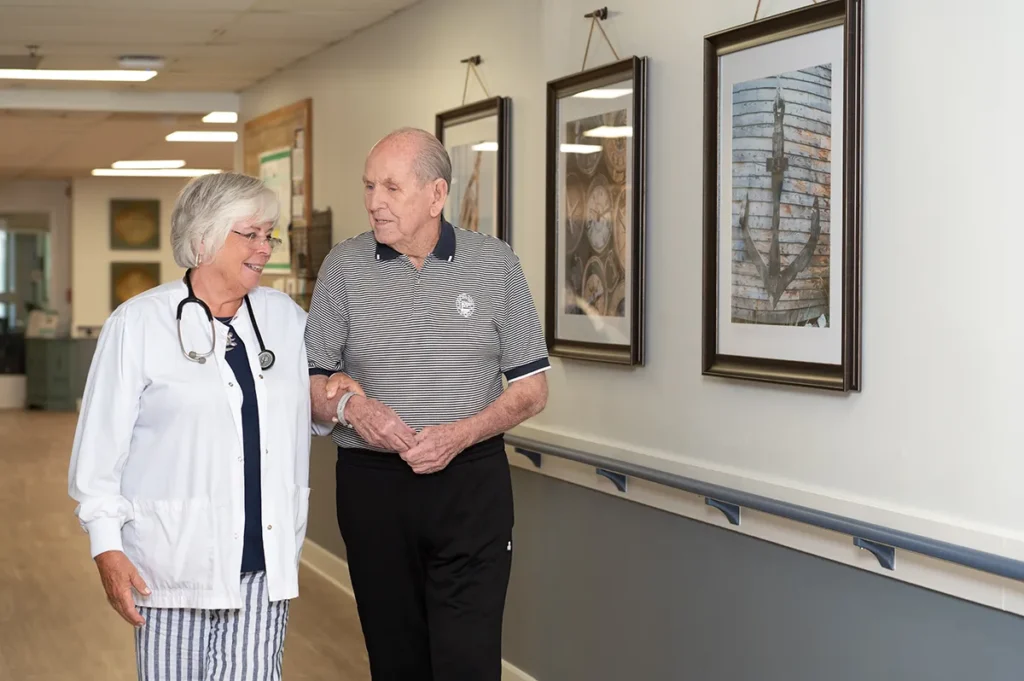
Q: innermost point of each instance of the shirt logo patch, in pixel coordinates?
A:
(465, 305)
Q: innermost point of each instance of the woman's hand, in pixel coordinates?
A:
(119, 576)
(341, 383)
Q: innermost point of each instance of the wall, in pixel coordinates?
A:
(92, 256)
(929, 445)
(53, 198)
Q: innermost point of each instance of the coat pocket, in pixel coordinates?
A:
(171, 542)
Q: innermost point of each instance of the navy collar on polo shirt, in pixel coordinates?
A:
(444, 249)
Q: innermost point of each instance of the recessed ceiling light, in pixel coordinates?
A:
(221, 117)
(147, 165)
(202, 136)
(153, 172)
(121, 75)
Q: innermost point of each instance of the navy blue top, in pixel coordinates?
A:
(252, 545)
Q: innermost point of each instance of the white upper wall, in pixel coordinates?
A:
(92, 254)
(931, 444)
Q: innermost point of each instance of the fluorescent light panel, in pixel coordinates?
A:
(604, 93)
(153, 172)
(119, 75)
(202, 136)
(147, 165)
(485, 146)
(610, 131)
(221, 117)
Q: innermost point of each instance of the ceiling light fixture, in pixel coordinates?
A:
(153, 172)
(221, 117)
(83, 74)
(202, 136)
(147, 165)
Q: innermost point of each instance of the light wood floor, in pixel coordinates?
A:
(55, 623)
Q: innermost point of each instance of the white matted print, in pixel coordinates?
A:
(594, 196)
(472, 198)
(780, 255)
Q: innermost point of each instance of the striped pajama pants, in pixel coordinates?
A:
(178, 644)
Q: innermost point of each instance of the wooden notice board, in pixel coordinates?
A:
(278, 147)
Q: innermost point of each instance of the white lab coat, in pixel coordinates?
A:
(157, 464)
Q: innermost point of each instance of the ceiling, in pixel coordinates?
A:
(208, 46)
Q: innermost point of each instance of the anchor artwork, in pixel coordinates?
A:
(783, 143)
(781, 188)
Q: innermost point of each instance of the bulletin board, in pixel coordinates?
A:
(278, 148)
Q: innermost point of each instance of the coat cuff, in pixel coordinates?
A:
(104, 535)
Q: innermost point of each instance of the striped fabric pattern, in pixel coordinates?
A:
(179, 644)
(432, 344)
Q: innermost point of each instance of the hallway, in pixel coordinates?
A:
(55, 623)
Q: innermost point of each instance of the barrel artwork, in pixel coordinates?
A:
(781, 190)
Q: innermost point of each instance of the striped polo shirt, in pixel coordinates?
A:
(431, 343)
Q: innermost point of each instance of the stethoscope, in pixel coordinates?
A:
(266, 356)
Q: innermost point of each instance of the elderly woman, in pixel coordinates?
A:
(190, 460)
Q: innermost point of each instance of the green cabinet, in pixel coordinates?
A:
(55, 371)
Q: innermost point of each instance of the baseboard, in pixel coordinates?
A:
(335, 570)
(510, 672)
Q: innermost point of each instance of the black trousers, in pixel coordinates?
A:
(429, 557)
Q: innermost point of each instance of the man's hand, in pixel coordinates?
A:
(378, 424)
(119, 576)
(341, 383)
(435, 447)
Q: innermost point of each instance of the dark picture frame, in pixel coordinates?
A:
(134, 224)
(771, 292)
(597, 175)
(467, 161)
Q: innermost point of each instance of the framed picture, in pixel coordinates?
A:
(478, 139)
(129, 279)
(782, 148)
(596, 207)
(134, 224)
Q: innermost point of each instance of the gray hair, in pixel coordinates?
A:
(432, 161)
(209, 207)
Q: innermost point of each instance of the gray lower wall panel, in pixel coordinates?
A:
(323, 514)
(604, 589)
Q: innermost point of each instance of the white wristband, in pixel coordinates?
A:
(341, 409)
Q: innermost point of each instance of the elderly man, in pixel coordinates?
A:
(427, 318)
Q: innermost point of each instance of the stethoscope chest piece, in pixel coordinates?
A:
(266, 359)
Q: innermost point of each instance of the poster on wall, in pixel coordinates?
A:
(276, 173)
(782, 199)
(477, 137)
(596, 196)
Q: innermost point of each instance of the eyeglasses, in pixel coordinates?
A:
(255, 241)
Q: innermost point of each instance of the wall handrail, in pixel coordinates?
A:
(881, 541)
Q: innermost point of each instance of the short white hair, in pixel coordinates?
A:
(209, 206)
(432, 161)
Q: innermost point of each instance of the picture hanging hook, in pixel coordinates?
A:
(471, 64)
(596, 17)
